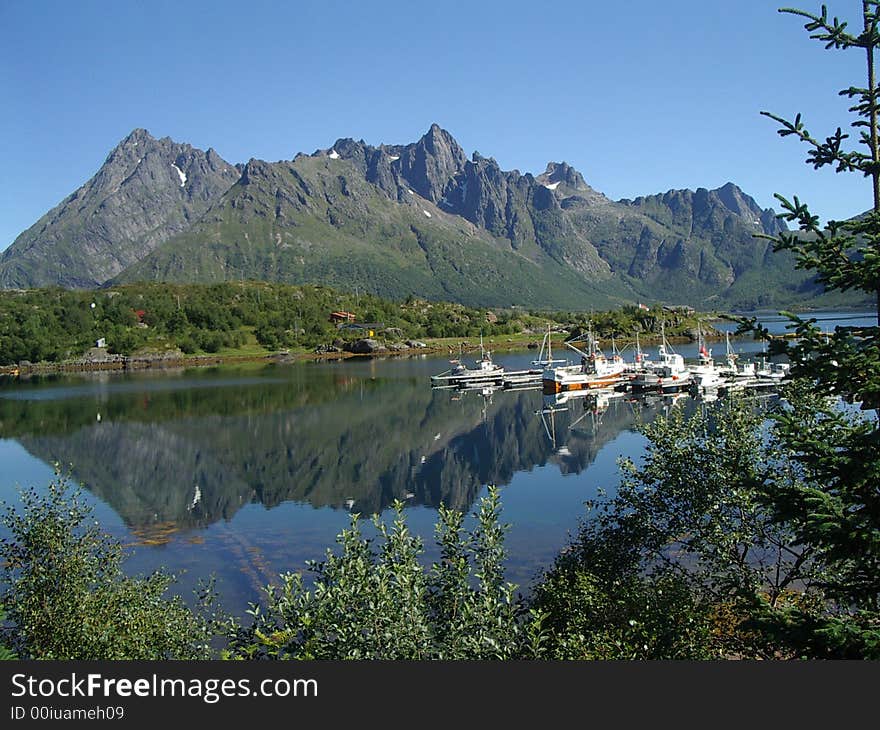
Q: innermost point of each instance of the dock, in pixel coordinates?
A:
(496, 376)
(501, 379)
(522, 378)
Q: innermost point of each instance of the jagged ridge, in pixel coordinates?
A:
(419, 218)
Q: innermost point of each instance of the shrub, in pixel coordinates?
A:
(67, 598)
(368, 604)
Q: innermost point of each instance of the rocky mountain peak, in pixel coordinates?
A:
(254, 169)
(347, 148)
(736, 200)
(429, 164)
(154, 203)
(562, 172)
(437, 138)
(147, 190)
(132, 146)
(138, 134)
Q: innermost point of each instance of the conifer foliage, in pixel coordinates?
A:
(835, 506)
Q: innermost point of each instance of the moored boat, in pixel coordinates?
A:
(545, 357)
(707, 374)
(596, 370)
(668, 374)
(485, 371)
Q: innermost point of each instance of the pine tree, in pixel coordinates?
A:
(835, 504)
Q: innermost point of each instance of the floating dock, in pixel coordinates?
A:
(522, 378)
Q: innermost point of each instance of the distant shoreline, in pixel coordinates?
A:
(164, 362)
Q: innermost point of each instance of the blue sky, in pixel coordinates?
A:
(641, 96)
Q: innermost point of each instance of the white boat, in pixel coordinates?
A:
(595, 370)
(668, 374)
(485, 371)
(545, 356)
(772, 370)
(763, 370)
(748, 371)
(640, 361)
(779, 370)
(707, 374)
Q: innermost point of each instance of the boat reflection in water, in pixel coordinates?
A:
(581, 422)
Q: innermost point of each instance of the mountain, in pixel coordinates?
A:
(421, 219)
(146, 191)
(349, 218)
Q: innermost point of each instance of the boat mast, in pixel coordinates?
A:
(484, 354)
(730, 355)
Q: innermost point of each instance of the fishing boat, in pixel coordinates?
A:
(780, 370)
(545, 356)
(641, 360)
(668, 374)
(738, 372)
(485, 371)
(707, 374)
(596, 370)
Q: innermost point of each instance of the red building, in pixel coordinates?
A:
(342, 316)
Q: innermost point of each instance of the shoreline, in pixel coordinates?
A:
(164, 361)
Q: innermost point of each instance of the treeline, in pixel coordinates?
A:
(54, 325)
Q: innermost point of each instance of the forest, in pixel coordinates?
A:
(56, 325)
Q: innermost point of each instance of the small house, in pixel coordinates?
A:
(342, 317)
(101, 342)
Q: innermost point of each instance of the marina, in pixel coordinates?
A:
(666, 373)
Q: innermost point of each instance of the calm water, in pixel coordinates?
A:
(246, 472)
(825, 320)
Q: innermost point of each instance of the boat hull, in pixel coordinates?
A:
(474, 376)
(662, 383)
(580, 382)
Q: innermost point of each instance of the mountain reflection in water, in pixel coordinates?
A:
(247, 473)
(194, 455)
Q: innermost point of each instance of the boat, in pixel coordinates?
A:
(707, 374)
(595, 370)
(485, 371)
(780, 370)
(747, 371)
(640, 361)
(762, 370)
(668, 374)
(545, 356)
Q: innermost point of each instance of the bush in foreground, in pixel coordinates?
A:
(381, 603)
(66, 596)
